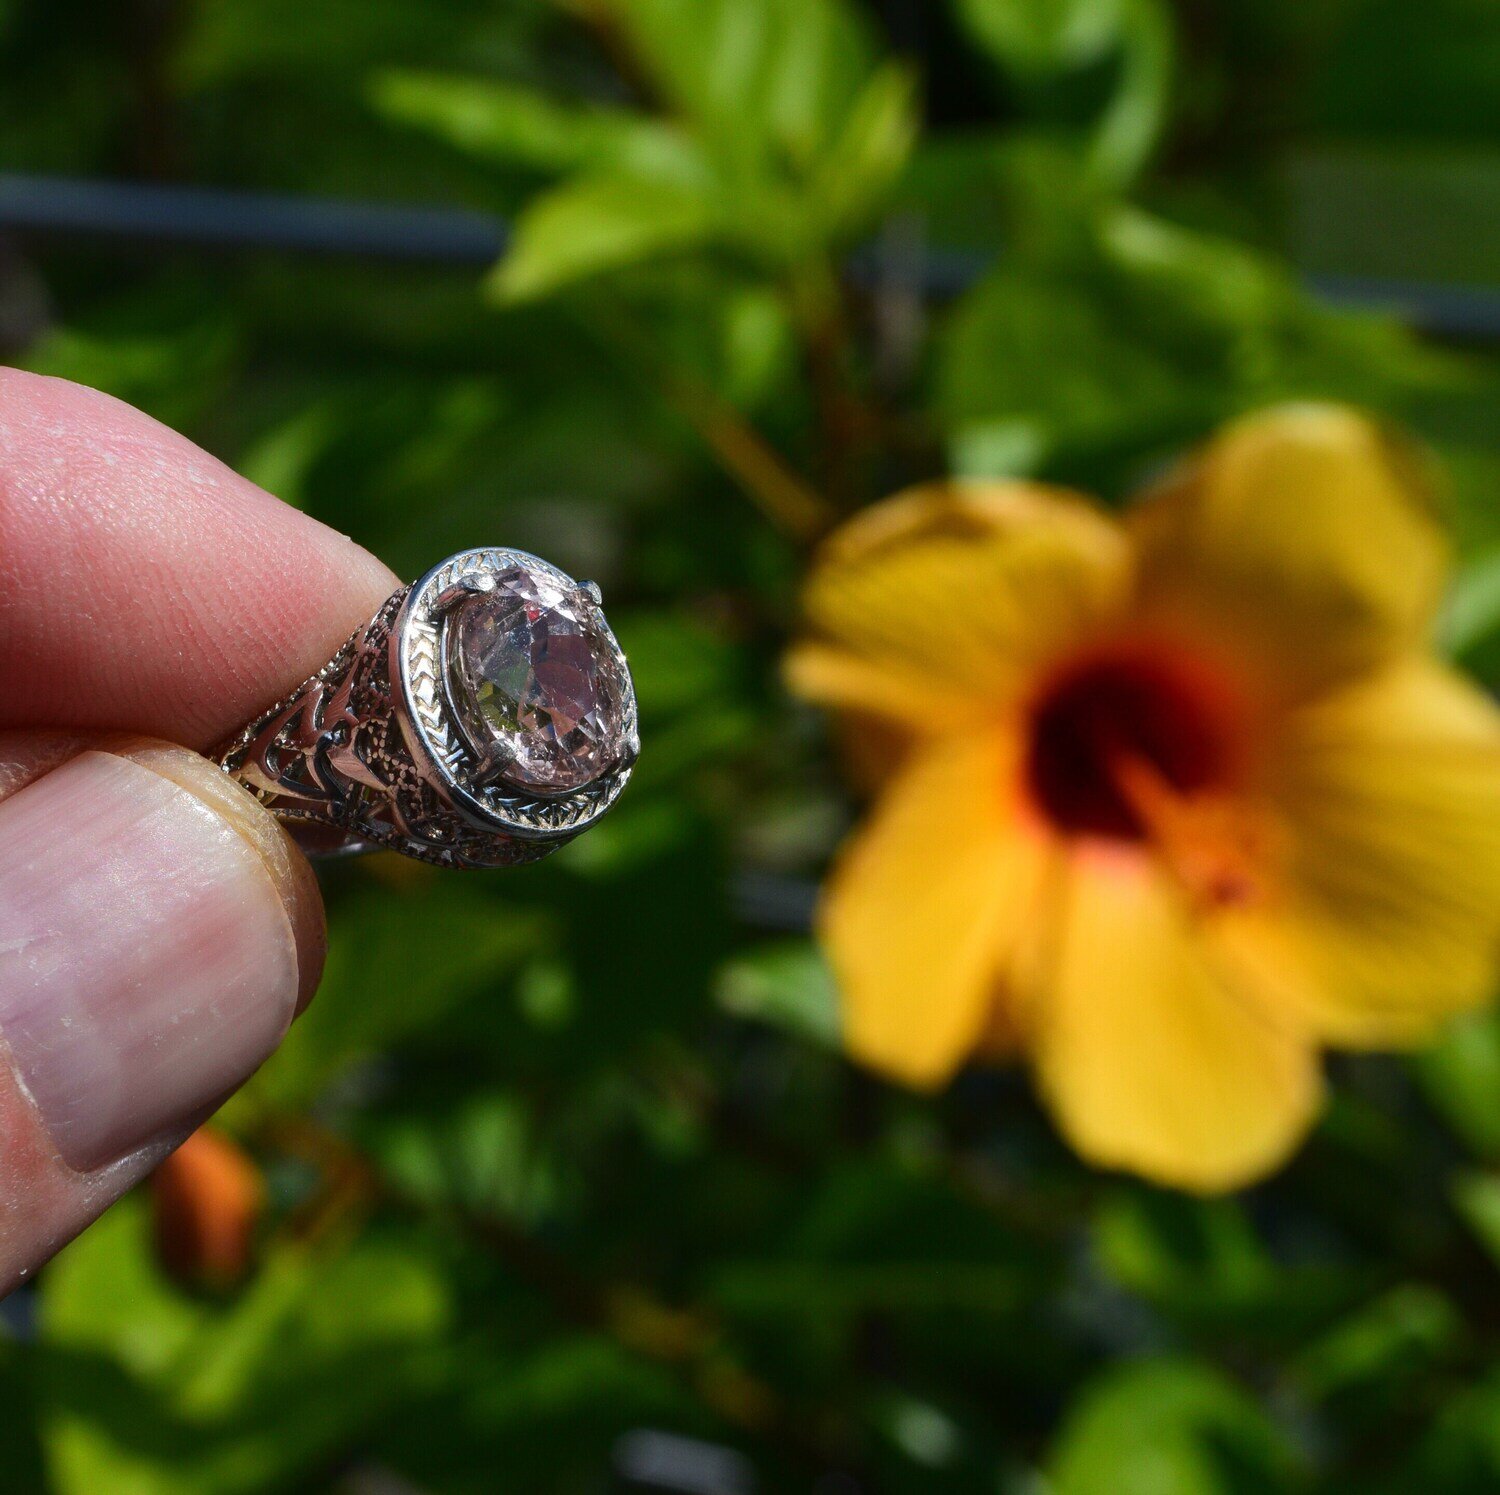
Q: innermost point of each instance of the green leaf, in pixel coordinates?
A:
(167, 355)
(756, 348)
(754, 76)
(865, 159)
(1460, 1455)
(782, 136)
(1130, 126)
(599, 223)
(1378, 1354)
(1040, 36)
(1470, 625)
(281, 459)
(875, 1236)
(147, 1390)
(1202, 1264)
(1445, 53)
(1477, 1196)
(677, 662)
(550, 1415)
(1169, 1427)
(959, 184)
(375, 994)
(328, 44)
(787, 984)
(1175, 1250)
(511, 125)
(889, 1287)
(1460, 1074)
(1128, 333)
(479, 1153)
(1034, 39)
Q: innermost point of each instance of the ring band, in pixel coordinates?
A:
(482, 718)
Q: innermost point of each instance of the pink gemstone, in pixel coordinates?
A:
(538, 681)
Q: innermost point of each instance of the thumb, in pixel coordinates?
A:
(158, 931)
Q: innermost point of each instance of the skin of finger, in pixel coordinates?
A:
(287, 868)
(147, 586)
(44, 1202)
(26, 756)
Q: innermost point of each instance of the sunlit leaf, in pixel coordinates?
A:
(1136, 115)
(1141, 333)
(1043, 35)
(167, 359)
(600, 223)
(1470, 627)
(867, 155)
(752, 74)
(281, 459)
(1169, 1427)
(511, 125)
(1033, 40)
(1169, 1248)
(786, 984)
(149, 1390)
(1202, 1264)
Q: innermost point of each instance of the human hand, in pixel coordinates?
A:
(158, 929)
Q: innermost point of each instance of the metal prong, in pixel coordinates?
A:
(468, 585)
(629, 753)
(493, 762)
(592, 588)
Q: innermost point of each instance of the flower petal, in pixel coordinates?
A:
(1302, 540)
(1386, 915)
(1150, 1057)
(936, 605)
(834, 676)
(919, 910)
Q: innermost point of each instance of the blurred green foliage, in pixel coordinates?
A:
(570, 1153)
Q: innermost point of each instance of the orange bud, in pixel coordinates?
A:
(205, 1200)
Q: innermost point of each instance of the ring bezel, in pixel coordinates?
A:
(438, 743)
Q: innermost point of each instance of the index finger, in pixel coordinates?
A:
(144, 585)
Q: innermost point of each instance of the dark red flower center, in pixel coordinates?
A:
(1113, 729)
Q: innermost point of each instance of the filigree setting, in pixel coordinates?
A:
(368, 751)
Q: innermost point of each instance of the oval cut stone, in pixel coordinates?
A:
(538, 681)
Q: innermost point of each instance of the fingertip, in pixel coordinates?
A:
(26, 757)
(162, 592)
(291, 874)
(158, 934)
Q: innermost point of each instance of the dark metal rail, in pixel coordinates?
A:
(213, 218)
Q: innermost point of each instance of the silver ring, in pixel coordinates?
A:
(482, 718)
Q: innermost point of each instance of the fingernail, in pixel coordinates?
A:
(157, 934)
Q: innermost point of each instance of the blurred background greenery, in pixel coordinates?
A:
(567, 1186)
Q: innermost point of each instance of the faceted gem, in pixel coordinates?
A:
(539, 683)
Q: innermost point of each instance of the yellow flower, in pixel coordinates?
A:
(1165, 804)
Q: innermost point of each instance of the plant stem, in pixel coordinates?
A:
(775, 488)
(822, 318)
(785, 498)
